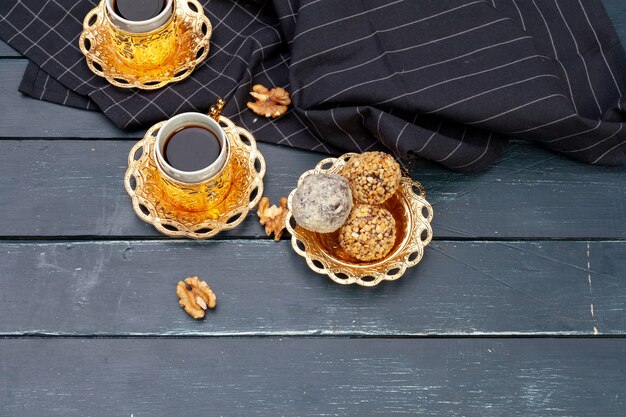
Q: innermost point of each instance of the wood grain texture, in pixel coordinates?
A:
(616, 10)
(7, 52)
(263, 288)
(75, 188)
(312, 377)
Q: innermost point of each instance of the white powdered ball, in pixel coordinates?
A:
(322, 202)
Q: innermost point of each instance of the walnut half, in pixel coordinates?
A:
(273, 218)
(195, 296)
(269, 103)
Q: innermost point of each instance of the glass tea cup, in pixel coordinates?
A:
(199, 190)
(143, 43)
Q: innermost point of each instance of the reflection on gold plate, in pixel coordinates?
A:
(152, 205)
(323, 254)
(178, 48)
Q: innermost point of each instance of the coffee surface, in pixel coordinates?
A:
(138, 10)
(191, 148)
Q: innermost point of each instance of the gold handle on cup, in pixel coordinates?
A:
(216, 109)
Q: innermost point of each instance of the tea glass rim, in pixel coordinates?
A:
(205, 174)
(113, 17)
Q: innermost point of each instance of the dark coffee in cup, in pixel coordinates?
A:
(191, 148)
(138, 10)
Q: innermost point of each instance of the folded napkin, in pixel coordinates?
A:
(447, 80)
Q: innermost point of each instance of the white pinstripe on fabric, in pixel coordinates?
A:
(455, 149)
(293, 64)
(521, 106)
(399, 136)
(445, 61)
(598, 159)
(490, 91)
(556, 55)
(575, 134)
(593, 145)
(499, 73)
(517, 132)
(29, 39)
(415, 69)
(344, 19)
(581, 58)
(619, 91)
(517, 61)
(481, 156)
(520, 15)
(435, 133)
(332, 114)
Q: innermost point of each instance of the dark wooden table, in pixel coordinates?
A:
(518, 308)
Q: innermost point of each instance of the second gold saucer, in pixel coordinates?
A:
(152, 206)
(192, 30)
(323, 254)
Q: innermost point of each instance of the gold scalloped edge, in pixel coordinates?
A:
(391, 268)
(171, 227)
(91, 33)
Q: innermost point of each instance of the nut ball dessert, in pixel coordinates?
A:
(369, 233)
(322, 202)
(373, 177)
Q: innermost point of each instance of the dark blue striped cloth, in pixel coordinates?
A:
(447, 80)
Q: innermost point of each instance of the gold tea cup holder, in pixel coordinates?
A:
(152, 206)
(192, 34)
(323, 254)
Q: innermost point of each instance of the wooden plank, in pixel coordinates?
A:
(264, 288)
(529, 193)
(616, 9)
(74, 188)
(313, 377)
(7, 52)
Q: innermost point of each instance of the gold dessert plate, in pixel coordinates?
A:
(324, 255)
(152, 206)
(193, 32)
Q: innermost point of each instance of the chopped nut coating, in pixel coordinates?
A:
(195, 296)
(369, 234)
(373, 177)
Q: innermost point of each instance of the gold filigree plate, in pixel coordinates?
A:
(150, 204)
(192, 33)
(323, 254)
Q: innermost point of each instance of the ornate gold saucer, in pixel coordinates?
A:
(101, 47)
(323, 254)
(151, 205)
